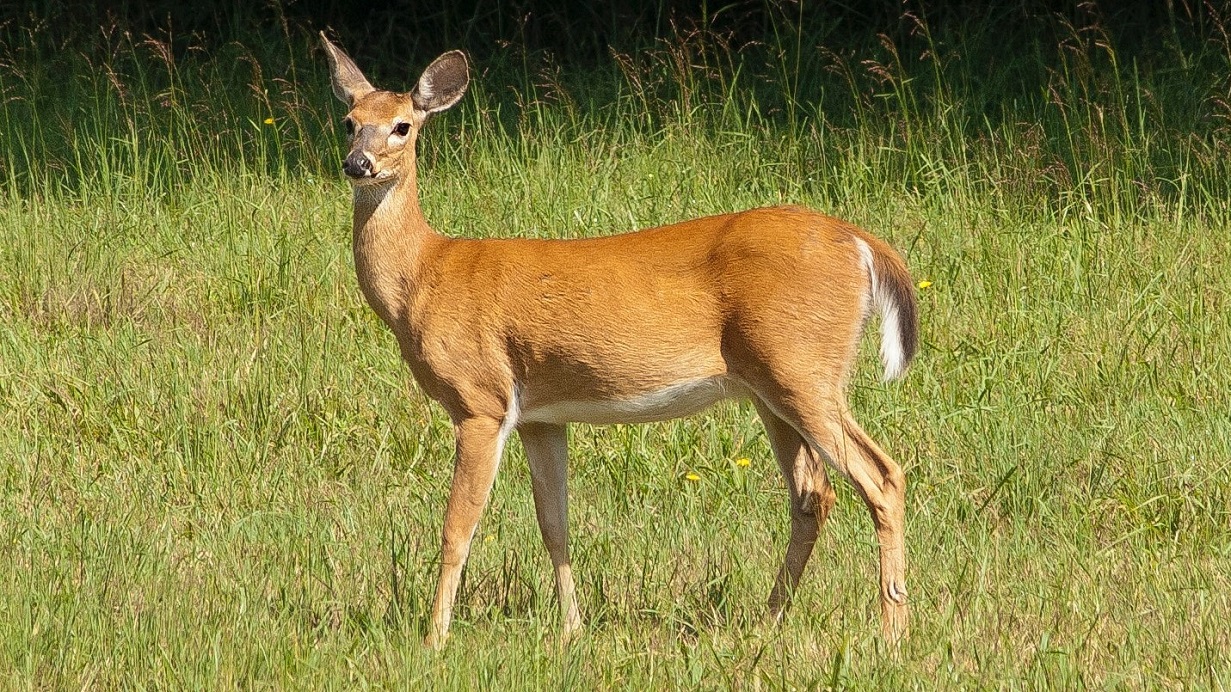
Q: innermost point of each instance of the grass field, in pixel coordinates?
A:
(214, 470)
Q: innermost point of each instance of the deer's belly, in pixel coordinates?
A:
(673, 401)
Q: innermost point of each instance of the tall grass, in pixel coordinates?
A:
(214, 471)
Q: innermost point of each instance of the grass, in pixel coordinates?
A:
(216, 472)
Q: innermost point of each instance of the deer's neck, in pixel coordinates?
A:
(390, 235)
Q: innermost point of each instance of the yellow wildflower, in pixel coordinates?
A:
(692, 476)
(743, 462)
(925, 284)
(269, 121)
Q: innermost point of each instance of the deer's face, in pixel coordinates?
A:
(382, 126)
(380, 129)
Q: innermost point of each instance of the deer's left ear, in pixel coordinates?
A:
(349, 84)
(443, 83)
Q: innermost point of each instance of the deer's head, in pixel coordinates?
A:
(382, 126)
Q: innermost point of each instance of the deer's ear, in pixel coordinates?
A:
(443, 83)
(349, 84)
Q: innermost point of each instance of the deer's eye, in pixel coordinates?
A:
(401, 129)
(350, 126)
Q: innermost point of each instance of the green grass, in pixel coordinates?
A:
(216, 471)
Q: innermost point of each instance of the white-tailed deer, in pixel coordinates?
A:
(530, 335)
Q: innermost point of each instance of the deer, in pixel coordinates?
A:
(528, 335)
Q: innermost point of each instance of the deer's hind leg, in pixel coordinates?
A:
(811, 499)
(882, 485)
(823, 420)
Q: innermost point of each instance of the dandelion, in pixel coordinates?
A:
(488, 538)
(692, 476)
(269, 121)
(743, 462)
(925, 284)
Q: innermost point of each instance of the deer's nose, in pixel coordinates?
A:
(357, 165)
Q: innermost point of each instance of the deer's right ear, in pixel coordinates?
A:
(443, 83)
(349, 84)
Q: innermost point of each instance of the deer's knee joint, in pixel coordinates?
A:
(453, 553)
(826, 502)
(895, 478)
(807, 506)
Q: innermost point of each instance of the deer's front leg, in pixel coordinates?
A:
(479, 445)
(547, 451)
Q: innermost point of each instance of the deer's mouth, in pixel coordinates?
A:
(370, 177)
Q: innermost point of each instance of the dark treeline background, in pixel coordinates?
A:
(585, 33)
(1134, 93)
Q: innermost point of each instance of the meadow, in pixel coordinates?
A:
(216, 472)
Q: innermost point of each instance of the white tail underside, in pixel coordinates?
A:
(893, 354)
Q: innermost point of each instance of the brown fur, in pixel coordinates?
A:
(531, 334)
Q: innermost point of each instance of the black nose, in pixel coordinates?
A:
(357, 165)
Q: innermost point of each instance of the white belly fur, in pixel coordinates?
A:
(673, 401)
